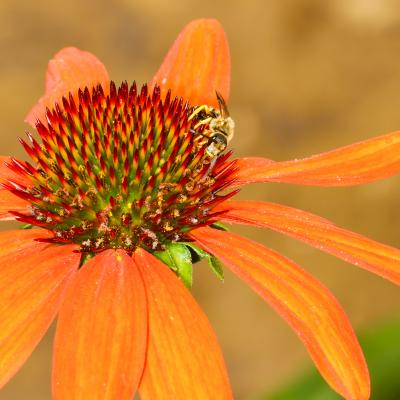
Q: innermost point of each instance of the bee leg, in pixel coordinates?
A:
(198, 133)
(196, 111)
(212, 165)
(203, 122)
(210, 168)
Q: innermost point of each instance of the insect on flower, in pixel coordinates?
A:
(220, 126)
(122, 199)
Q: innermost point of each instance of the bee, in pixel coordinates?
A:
(220, 126)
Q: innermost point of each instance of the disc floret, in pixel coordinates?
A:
(120, 170)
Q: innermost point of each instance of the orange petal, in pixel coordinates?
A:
(358, 163)
(197, 64)
(33, 277)
(318, 232)
(8, 201)
(69, 70)
(184, 360)
(100, 342)
(308, 307)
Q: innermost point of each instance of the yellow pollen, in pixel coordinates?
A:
(167, 227)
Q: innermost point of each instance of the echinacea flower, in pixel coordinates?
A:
(123, 196)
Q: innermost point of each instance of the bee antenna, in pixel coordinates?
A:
(223, 109)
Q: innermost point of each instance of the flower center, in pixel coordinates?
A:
(121, 170)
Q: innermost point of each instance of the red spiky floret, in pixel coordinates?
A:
(120, 171)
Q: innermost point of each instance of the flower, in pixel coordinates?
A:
(120, 179)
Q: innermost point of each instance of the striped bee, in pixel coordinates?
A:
(220, 126)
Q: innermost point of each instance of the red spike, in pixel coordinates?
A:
(58, 112)
(223, 186)
(12, 186)
(81, 115)
(112, 176)
(42, 130)
(18, 167)
(89, 170)
(72, 104)
(123, 92)
(97, 148)
(86, 96)
(107, 137)
(115, 156)
(143, 94)
(126, 167)
(132, 94)
(99, 183)
(103, 165)
(156, 94)
(100, 91)
(138, 176)
(29, 150)
(60, 162)
(113, 93)
(80, 96)
(125, 185)
(49, 116)
(124, 151)
(167, 99)
(150, 184)
(27, 219)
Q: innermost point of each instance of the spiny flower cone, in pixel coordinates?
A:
(120, 171)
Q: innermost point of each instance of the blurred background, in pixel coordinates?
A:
(307, 76)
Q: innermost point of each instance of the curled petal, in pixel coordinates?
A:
(318, 232)
(355, 164)
(100, 342)
(69, 70)
(184, 360)
(308, 307)
(33, 278)
(197, 64)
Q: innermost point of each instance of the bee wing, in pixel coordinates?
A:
(223, 108)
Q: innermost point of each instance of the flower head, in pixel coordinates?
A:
(127, 193)
(121, 171)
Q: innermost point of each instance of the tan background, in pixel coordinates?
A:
(308, 76)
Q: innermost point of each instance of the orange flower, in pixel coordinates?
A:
(120, 180)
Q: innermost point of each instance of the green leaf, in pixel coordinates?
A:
(220, 226)
(85, 258)
(200, 252)
(216, 267)
(177, 257)
(213, 262)
(26, 226)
